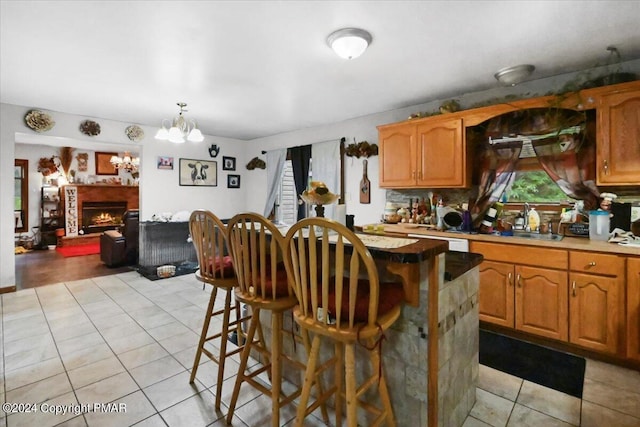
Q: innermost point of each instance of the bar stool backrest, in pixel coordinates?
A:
(210, 240)
(257, 249)
(336, 284)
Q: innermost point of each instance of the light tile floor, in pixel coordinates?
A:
(125, 340)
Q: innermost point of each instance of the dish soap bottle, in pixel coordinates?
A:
(534, 219)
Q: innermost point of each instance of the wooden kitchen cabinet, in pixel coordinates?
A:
(633, 309)
(596, 304)
(524, 288)
(424, 153)
(618, 150)
(496, 296)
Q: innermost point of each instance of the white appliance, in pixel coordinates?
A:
(459, 245)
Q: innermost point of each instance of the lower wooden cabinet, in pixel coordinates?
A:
(633, 309)
(496, 295)
(585, 298)
(541, 302)
(596, 304)
(529, 299)
(595, 312)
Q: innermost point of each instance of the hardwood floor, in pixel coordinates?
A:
(44, 267)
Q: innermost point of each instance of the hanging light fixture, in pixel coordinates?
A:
(126, 162)
(349, 43)
(181, 129)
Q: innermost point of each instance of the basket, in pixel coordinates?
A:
(165, 271)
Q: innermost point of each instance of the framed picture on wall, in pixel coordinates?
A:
(198, 173)
(233, 181)
(103, 164)
(165, 163)
(228, 163)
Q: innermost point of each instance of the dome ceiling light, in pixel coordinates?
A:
(511, 76)
(181, 129)
(349, 43)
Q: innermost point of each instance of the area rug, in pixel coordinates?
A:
(551, 368)
(79, 250)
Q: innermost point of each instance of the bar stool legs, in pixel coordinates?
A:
(223, 335)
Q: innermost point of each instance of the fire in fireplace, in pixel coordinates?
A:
(102, 216)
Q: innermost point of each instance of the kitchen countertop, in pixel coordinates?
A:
(458, 263)
(573, 243)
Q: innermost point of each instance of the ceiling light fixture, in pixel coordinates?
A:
(126, 162)
(349, 43)
(181, 129)
(511, 76)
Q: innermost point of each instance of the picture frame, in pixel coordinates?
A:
(228, 163)
(198, 173)
(103, 163)
(233, 181)
(165, 163)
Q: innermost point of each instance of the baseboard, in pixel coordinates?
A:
(7, 289)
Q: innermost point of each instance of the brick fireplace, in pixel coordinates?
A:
(100, 207)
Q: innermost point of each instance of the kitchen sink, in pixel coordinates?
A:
(537, 236)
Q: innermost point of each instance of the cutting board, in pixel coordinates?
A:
(365, 185)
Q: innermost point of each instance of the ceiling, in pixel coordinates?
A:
(249, 69)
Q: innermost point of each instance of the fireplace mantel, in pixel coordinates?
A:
(103, 193)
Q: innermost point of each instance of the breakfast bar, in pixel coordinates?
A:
(431, 352)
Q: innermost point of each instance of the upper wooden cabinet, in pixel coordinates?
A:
(424, 153)
(618, 146)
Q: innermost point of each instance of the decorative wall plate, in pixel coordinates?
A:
(89, 127)
(39, 121)
(134, 133)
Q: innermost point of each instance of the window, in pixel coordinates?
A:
(21, 195)
(534, 186)
(287, 201)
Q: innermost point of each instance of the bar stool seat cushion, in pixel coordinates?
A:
(223, 267)
(282, 284)
(391, 295)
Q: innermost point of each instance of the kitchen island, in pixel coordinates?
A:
(431, 352)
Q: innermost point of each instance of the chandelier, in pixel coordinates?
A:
(126, 162)
(181, 129)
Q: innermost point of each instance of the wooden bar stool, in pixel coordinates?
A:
(340, 299)
(256, 247)
(210, 239)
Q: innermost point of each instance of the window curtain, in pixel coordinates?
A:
(326, 168)
(300, 162)
(275, 166)
(570, 162)
(497, 172)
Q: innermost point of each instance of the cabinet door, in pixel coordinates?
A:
(398, 156)
(594, 311)
(633, 308)
(541, 302)
(442, 154)
(618, 151)
(496, 293)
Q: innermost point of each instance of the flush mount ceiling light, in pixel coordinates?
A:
(511, 76)
(181, 129)
(349, 43)
(126, 162)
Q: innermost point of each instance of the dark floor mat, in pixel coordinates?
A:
(551, 368)
(181, 269)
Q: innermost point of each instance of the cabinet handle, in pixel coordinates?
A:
(573, 288)
(509, 280)
(606, 167)
(592, 264)
(518, 280)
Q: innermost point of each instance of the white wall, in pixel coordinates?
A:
(159, 189)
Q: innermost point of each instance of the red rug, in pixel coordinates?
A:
(79, 250)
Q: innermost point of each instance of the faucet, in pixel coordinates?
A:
(526, 217)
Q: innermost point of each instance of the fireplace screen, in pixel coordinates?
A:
(102, 216)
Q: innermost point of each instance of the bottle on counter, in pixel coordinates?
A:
(534, 219)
